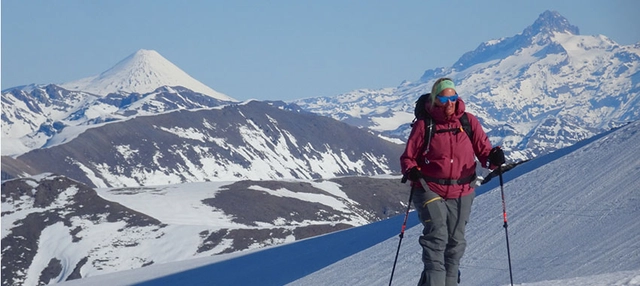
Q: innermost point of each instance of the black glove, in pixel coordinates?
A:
(414, 174)
(496, 156)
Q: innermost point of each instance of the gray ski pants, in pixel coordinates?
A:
(442, 239)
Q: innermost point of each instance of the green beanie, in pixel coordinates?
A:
(442, 86)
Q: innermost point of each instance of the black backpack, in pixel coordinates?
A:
(421, 113)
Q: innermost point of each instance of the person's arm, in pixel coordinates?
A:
(413, 148)
(480, 141)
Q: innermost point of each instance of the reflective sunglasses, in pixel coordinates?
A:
(444, 99)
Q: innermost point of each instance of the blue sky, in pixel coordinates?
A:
(278, 49)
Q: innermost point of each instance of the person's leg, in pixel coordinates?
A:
(432, 213)
(458, 211)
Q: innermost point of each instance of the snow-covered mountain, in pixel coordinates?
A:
(56, 229)
(30, 116)
(543, 89)
(573, 219)
(142, 84)
(141, 72)
(252, 140)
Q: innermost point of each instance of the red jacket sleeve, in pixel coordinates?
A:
(414, 147)
(480, 141)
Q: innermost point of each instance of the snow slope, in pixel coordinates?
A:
(569, 218)
(573, 220)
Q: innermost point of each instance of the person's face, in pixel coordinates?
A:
(449, 106)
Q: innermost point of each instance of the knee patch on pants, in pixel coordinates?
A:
(431, 210)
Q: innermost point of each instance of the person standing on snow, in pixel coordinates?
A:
(446, 162)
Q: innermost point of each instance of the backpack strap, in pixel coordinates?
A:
(464, 121)
(429, 127)
(419, 112)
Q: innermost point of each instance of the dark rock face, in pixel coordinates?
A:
(256, 203)
(53, 270)
(373, 199)
(382, 197)
(76, 271)
(250, 206)
(230, 143)
(51, 200)
(266, 213)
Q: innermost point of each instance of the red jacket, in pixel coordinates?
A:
(451, 154)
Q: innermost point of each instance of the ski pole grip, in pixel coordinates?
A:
(404, 179)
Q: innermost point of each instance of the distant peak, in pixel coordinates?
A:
(143, 56)
(540, 33)
(142, 72)
(146, 53)
(549, 22)
(143, 51)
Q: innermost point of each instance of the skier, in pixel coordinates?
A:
(442, 157)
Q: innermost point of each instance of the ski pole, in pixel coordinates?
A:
(404, 226)
(504, 215)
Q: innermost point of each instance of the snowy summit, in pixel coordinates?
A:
(142, 72)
